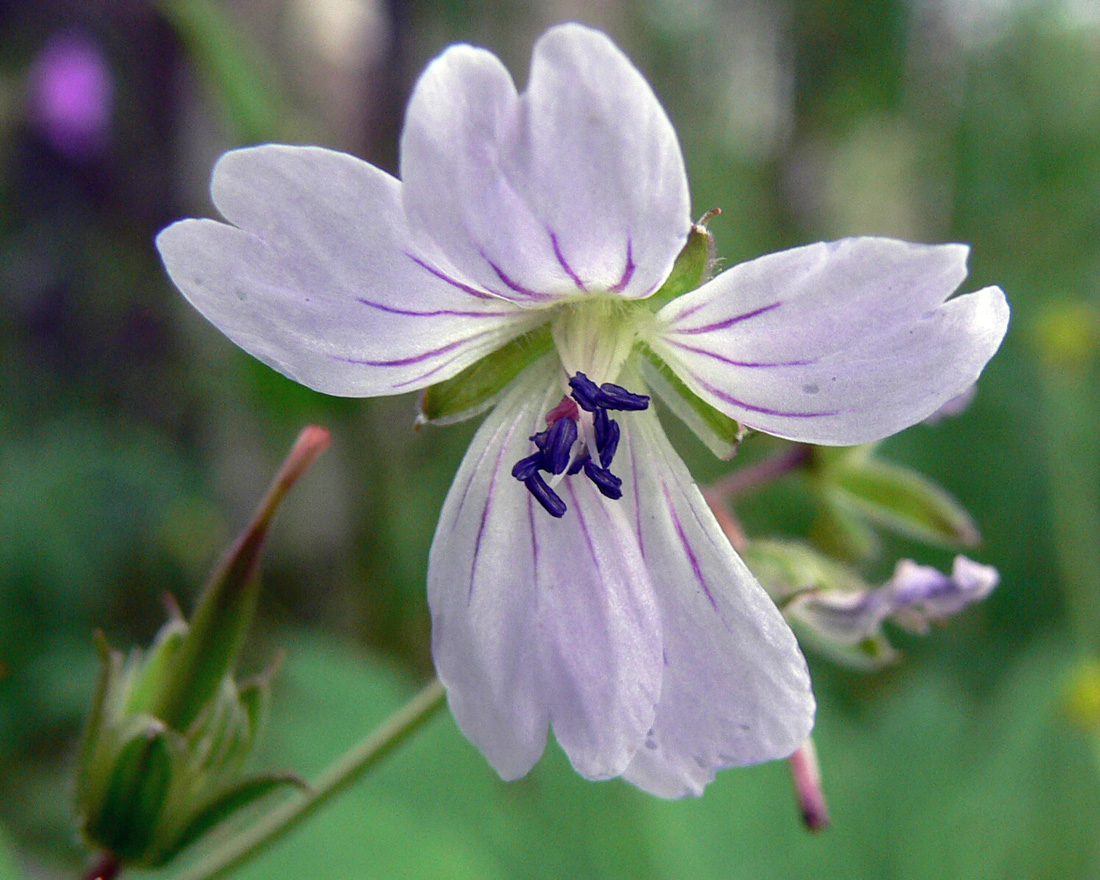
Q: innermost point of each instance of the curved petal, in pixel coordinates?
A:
(835, 343)
(577, 185)
(736, 688)
(537, 620)
(481, 588)
(315, 278)
(599, 630)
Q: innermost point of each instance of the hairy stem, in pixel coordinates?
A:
(758, 474)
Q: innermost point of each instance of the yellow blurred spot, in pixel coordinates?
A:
(1068, 335)
(1081, 698)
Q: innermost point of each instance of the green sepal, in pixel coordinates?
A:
(230, 802)
(217, 630)
(868, 655)
(154, 671)
(255, 698)
(694, 265)
(897, 499)
(127, 820)
(91, 775)
(718, 432)
(476, 388)
(788, 568)
(217, 741)
(841, 532)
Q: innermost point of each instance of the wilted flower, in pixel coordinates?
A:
(913, 598)
(527, 259)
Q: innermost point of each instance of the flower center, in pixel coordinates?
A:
(580, 436)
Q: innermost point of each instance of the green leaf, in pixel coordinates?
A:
(475, 389)
(901, 500)
(718, 432)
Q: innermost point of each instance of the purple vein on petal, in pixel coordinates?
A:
(512, 284)
(688, 550)
(733, 363)
(412, 359)
(628, 271)
(454, 282)
(584, 529)
(436, 312)
(487, 508)
(719, 393)
(565, 265)
(721, 325)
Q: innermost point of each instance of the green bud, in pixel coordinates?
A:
(170, 729)
(789, 568)
(855, 486)
(694, 265)
(718, 432)
(477, 387)
(134, 799)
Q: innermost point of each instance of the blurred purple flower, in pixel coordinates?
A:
(71, 94)
(913, 598)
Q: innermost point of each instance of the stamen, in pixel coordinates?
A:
(559, 445)
(545, 496)
(526, 468)
(610, 443)
(616, 397)
(585, 392)
(591, 396)
(609, 485)
(579, 462)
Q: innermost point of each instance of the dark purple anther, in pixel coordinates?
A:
(585, 392)
(579, 462)
(609, 485)
(526, 468)
(545, 496)
(616, 397)
(610, 444)
(559, 445)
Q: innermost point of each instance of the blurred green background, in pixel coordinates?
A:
(134, 439)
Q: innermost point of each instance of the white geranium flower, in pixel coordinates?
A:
(577, 578)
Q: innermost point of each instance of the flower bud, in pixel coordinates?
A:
(857, 490)
(170, 729)
(836, 612)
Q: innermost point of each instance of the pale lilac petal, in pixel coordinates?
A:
(932, 595)
(736, 688)
(599, 630)
(537, 620)
(481, 588)
(317, 279)
(835, 343)
(576, 186)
